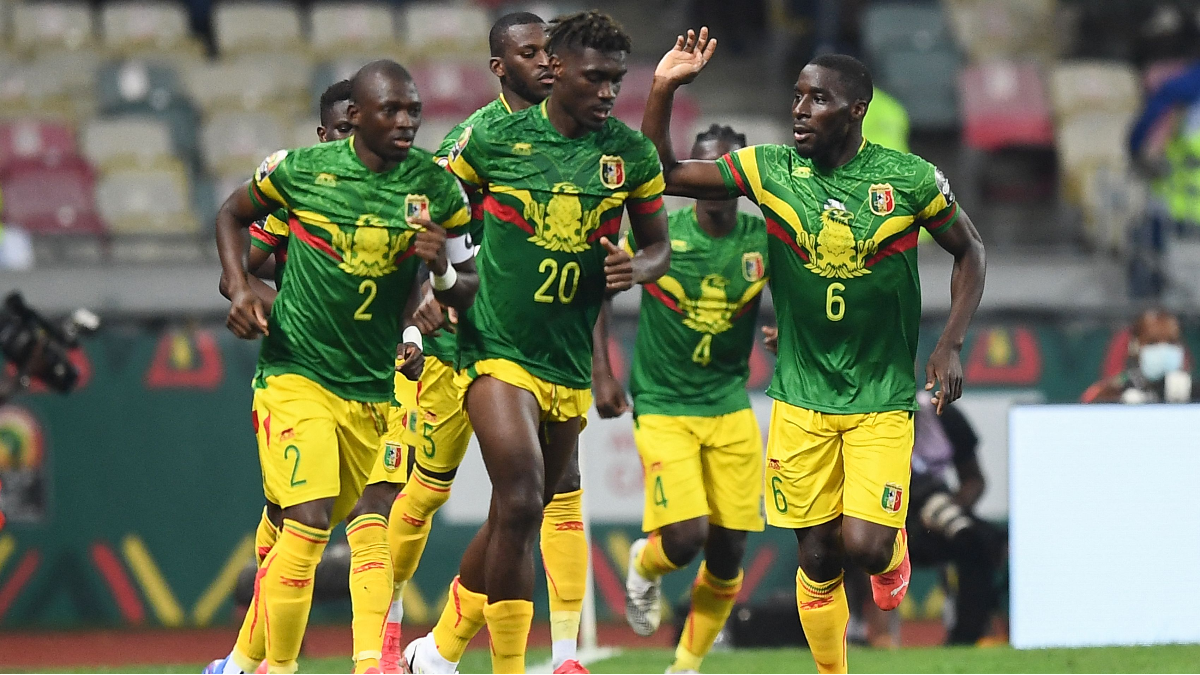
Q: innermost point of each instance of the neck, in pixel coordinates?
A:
(371, 160)
(716, 225)
(559, 119)
(842, 153)
(515, 101)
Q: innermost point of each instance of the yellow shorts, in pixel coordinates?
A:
(558, 403)
(314, 445)
(401, 437)
(701, 466)
(445, 432)
(822, 465)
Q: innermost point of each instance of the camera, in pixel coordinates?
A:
(39, 347)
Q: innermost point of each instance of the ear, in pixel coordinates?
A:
(858, 110)
(556, 66)
(497, 66)
(352, 114)
(321, 133)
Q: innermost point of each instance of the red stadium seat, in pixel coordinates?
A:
(450, 88)
(1004, 104)
(33, 139)
(47, 196)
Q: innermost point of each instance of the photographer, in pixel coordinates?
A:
(1156, 371)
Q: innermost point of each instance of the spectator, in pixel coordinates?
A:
(1156, 371)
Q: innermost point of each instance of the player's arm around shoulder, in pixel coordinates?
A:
(624, 267)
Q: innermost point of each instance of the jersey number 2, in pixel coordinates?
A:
(369, 287)
(565, 295)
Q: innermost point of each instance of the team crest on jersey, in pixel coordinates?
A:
(612, 171)
(882, 199)
(460, 144)
(391, 456)
(753, 268)
(833, 252)
(892, 498)
(416, 206)
(268, 165)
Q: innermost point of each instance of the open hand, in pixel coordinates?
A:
(945, 368)
(687, 58)
(618, 267)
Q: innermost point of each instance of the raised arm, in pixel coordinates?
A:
(247, 312)
(962, 241)
(700, 179)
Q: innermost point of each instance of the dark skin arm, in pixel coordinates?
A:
(609, 394)
(431, 247)
(260, 265)
(699, 179)
(412, 356)
(247, 312)
(962, 241)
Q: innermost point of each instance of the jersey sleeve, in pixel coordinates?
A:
(269, 186)
(448, 205)
(933, 200)
(443, 152)
(467, 157)
(267, 234)
(740, 170)
(645, 199)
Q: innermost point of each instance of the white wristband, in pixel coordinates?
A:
(443, 282)
(413, 334)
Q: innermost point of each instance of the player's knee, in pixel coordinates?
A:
(275, 514)
(422, 500)
(683, 541)
(723, 552)
(377, 499)
(821, 556)
(315, 514)
(871, 551)
(519, 508)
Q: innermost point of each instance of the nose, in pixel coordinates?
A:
(406, 120)
(542, 59)
(801, 108)
(608, 91)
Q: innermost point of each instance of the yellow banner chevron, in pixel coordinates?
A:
(222, 586)
(154, 586)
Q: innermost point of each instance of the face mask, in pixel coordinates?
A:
(1158, 359)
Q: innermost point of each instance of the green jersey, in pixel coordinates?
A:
(696, 324)
(844, 276)
(350, 264)
(445, 346)
(271, 234)
(548, 201)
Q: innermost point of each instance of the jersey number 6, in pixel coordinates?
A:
(835, 305)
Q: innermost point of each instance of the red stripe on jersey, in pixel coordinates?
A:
(646, 208)
(733, 171)
(934, 225)
(265, 237)
(776, 230)
(506, 213)
(311, 239)
(898, 245)
(607, 229)
(662, 297)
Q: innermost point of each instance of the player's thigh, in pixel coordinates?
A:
(560, 441)
(804, 477)
(360, 432)
(506, 422)
(878, 462)
(442, 423)
(731, 456)
(674, 484)
(297, 440)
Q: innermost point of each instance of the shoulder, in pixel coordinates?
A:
(752, 223)
(904, 170)
(617, 137)
(492, 111)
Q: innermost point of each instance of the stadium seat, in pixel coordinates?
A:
(1095, 138)
(138, 87)
(76, 69)
(340, 27)
(127, 141)
(1090, 86)
(925, 82)
(31, 88)
(234, 142)
(31, 139)
(1014, 29)
(256, 27)
(40, 26)
(250, 83)
(1004, 104)
(147, 201)
(453, 87)
(430, 27)
(138, 26)
(903, 26)
(50, 197)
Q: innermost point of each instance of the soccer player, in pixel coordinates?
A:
(843, 216)
(363, 213)
(520, 62)
(556, 178)
(698, 438)
(370, 561)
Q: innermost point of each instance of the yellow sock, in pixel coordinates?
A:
(899, 548)
(409, 520)
(565, 557)
(461, 619)
(712, 600)
(251, 646)
(653, 562)
(370, 587)
(508, 622)
(287, 588)
(824, 614)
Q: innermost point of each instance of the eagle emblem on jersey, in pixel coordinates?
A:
(612, 171)
(369, 250)
(709, 314)
(833, 252)
(882, 199)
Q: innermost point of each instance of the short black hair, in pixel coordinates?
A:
(722, 134)
(496, 35)
(590, 29)
(854, 74)
(383, 67)
(336, 93)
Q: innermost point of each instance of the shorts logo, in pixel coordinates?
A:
(893, 498)
(460, 144)
(416, 206)
(753, 268)
(391, 456)
(287, 434)
(612, 171)
(882, 199)
(774, 465)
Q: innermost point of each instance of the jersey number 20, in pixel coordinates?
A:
(565, 294)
